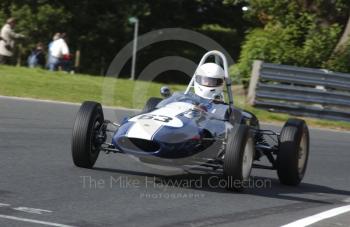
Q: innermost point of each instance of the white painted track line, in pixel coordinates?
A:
(33, 221)
(319, 217)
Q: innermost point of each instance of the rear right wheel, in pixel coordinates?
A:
(151, 104)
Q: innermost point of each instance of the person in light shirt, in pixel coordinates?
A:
(7, 41)
(58, 51)
(54, 38)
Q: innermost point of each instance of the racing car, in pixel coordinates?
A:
(199, 127)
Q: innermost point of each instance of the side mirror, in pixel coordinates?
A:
(165, 92)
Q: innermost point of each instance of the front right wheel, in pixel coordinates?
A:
(85, 142)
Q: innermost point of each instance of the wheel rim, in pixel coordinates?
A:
(95, 126)
(247, 161)
(302, 155)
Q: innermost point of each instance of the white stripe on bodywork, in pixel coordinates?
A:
(147, 128)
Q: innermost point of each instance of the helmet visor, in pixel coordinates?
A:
(209, 81)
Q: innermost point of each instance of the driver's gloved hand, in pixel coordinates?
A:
(202, 107)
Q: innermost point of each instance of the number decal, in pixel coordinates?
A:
(146, 117)
(155, 117)
(162, 118)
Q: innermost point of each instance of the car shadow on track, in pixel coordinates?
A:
(258, 186)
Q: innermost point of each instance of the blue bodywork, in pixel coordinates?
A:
(200, 127)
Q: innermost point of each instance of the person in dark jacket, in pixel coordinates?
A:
(37, 57)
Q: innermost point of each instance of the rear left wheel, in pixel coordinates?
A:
(85, 144)
(293, 154)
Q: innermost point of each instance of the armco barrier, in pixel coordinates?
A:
(300, 91)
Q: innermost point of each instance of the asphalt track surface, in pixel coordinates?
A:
(38, 181)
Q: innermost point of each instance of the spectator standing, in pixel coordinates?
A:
(37, 57)
(58, 52)
(54, 38)
(7, 41)
(66, 59)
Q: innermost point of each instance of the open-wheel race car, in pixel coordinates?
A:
(194, 128)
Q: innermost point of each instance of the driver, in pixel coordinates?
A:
(209, 85)
(209, 82)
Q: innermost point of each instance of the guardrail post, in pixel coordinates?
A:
(254, 79)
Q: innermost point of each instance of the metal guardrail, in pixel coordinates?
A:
(300, 91)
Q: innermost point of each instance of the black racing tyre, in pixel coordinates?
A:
(293, 152)
(239, 157)
(85, 149)
(151, 104)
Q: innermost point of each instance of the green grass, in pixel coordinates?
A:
(42, 84)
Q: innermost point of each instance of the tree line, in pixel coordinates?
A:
(309, 33)
(99, 29)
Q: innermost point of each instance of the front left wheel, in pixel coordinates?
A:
(85, 144)
(239, 157)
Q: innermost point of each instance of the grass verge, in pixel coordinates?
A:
(42, 84)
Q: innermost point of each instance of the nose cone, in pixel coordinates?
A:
(177, 135)
(166, 142)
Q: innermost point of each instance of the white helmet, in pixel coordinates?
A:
(209, 81)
